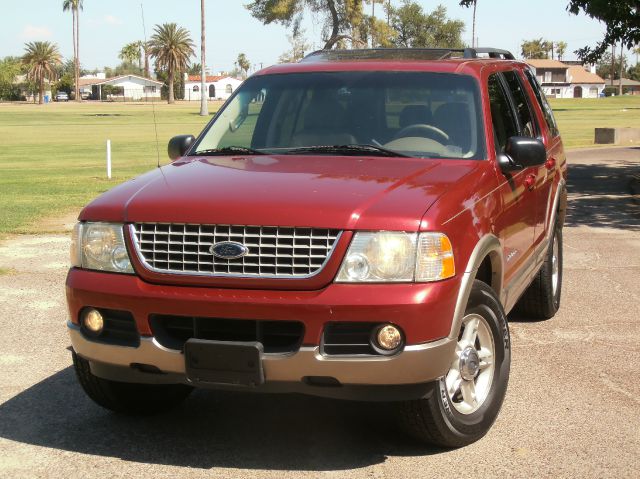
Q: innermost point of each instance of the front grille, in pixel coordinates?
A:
(276, 336)
(273, 251)
(348, 338)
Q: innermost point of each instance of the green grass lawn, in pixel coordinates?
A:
(577, 118)
(52, 157)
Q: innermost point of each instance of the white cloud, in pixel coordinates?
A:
(33, 32)
(112, 20)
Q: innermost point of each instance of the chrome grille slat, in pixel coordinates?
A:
(274, 252)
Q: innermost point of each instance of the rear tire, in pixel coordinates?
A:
(461, 407)
(128, 398)
(541, 300)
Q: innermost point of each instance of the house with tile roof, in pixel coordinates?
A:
(218, 87)
(559, 80)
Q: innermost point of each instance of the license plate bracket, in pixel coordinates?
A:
(224, 362)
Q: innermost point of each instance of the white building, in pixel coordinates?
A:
(559, 80)
(123, 87)
(218, 87)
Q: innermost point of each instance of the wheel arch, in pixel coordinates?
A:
(485, 263)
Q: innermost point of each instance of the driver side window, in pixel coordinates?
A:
(504, 123)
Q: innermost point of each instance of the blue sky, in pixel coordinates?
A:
(105, 26)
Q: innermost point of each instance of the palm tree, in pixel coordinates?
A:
(41, 60)
(204, 107)
(561, 47)
(75, 6)
(243, 63)
(130, 53)
(172, 48)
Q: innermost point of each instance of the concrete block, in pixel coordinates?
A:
(617, 136)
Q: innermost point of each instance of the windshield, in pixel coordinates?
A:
(373, 113)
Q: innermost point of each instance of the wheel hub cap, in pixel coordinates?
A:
(469, 363)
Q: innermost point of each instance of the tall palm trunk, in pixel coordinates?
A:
(204, 107)
(473, 28)
(41, 96)
(146, 62)
(75, 51)
(172, 75)
(77, 72)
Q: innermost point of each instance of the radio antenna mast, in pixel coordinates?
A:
(153, 104)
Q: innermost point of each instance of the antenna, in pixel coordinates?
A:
(153, 103)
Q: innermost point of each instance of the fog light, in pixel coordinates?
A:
(389, 337)
(93, 321)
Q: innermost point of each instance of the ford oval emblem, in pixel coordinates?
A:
(228, 250)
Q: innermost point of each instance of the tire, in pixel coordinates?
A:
(128, 398)
(541, 299)
(444, 418)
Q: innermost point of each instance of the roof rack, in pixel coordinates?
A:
(407, 54)
(490, 52)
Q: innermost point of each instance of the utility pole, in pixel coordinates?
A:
(621, 68)
(204, 106)
(613, 63)
(473, 32)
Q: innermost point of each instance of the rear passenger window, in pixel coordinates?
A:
(527, 126)
(504, 123)
(543, 103)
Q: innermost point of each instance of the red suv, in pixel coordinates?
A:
(356, 225)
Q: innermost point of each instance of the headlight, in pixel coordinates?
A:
(100, 246)
(389, 256)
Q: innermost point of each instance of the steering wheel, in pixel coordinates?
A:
(421, 129)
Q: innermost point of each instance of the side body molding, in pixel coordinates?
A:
(488, 246)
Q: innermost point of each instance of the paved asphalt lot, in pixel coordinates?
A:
(572, 409)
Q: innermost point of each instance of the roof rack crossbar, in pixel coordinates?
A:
(491, 52)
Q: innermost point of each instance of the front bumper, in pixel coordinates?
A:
(416, 364)
(423, 311)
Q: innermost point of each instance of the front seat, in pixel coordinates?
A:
(324, 124)
(415, 115)
(453, 119)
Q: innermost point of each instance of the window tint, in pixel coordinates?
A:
(527, 125)
(434, 115)
(504, 124)
(543, 103)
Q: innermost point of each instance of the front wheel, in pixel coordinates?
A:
(128, 398)
(462, 406)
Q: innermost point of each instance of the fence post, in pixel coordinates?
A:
(109, 159)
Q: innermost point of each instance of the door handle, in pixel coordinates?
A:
(550, 164)
(530, 182)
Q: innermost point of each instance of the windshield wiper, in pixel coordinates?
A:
(356, 150)
(228, 150)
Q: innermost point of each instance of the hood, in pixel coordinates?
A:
(320, 191)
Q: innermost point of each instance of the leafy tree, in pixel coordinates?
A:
(636, 51)
(243, 63)
(414, 28)
(75, 6)
(172, 48)
(603, 67)
(299, 47)
(634, 72)
(341, 18)
(535, 49)
(620, 18)
(561, 47)
(10, 68)
(41, 59)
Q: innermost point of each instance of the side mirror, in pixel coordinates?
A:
(522, 152)
(179, 145)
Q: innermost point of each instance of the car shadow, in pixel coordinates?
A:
(211, 429)
(599, 196)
